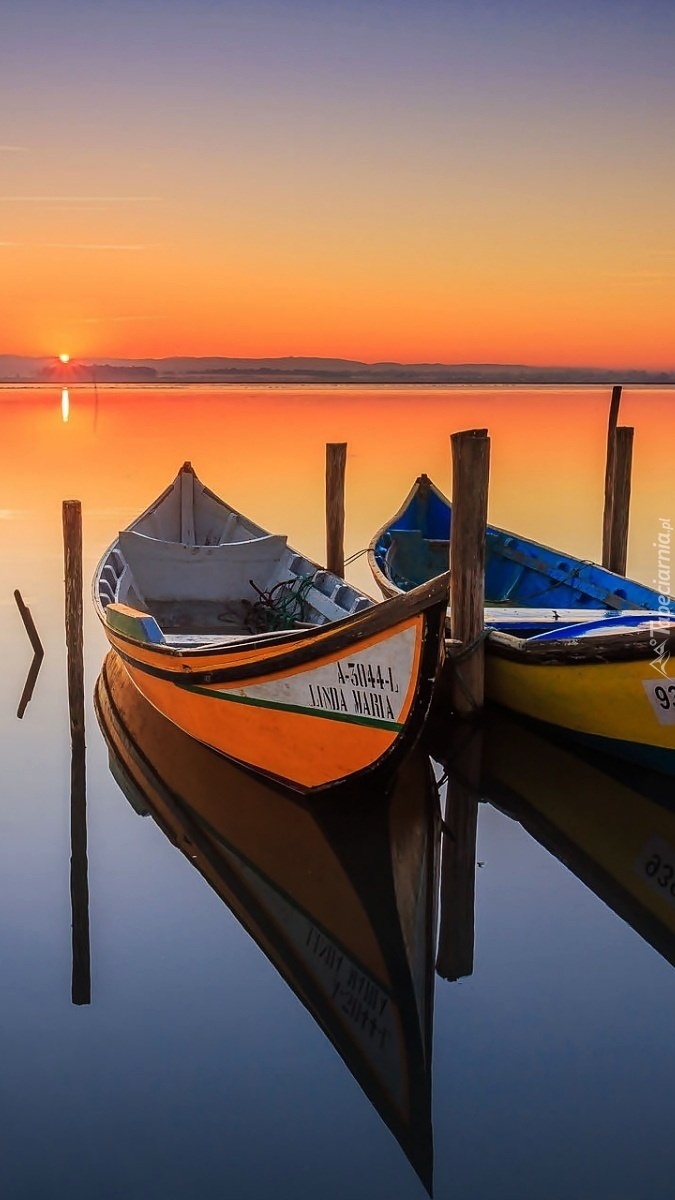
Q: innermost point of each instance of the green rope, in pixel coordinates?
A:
(282, 607)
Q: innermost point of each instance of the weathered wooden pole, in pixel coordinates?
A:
(609, 473)
(621, 483)
(454, 959)
(29, 624)
(470, 476)
(336, 460)
(79, 883)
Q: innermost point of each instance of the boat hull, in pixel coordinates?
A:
(261, 654)
(307, 714)
(623, 708)
(600, 680)
(341, 902)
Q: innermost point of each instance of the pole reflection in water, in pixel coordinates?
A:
(340, 896)
(454, 959)
(612, 825)
(79, 871)
(65, 405)
(38, 654)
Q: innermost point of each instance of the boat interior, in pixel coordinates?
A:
(197, 569)
(530, 589)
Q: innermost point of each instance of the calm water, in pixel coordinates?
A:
(197, 1070)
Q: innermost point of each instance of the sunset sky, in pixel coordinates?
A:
(425, 180)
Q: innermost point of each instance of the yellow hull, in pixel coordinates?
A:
(625, 706)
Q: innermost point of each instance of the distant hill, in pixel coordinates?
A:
(17, 369)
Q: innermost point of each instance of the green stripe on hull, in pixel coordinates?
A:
(325, 714)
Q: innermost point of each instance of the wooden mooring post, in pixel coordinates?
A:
(470, 476)
(79, 883)
(618, 468)
(621, 484)
(336, 460)
(610, 460)
(454, 958)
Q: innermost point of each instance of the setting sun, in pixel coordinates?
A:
(64, 358)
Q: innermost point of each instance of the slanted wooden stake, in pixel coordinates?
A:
(38, 654)
(623, 461)
(470, 475)
(609, 473)
(336, 459)
(454, 958)
(79, 883)
(29, 624)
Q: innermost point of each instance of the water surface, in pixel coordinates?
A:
(197, 1069)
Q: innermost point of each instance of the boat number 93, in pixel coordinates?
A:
(656, 866)
(665, 695)
(661, 696)
(662, 872)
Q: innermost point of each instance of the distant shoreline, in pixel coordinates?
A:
(15, 369)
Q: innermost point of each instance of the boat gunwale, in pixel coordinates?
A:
(300, 647)
(564, 651)
(383, 582)
(378, 616)
(423, 608)
(573, 652)
(427, 674)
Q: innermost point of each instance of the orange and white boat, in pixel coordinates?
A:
(339, 896)
(260, 653)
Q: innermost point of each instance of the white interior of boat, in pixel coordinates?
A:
(198, 567)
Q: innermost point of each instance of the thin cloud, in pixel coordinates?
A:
(79, 199)
(128, 247)
(90, 246)
(110, 320)
(75, 208)
(13, 149)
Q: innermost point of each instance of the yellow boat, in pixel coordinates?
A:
(340, 897)
(266, 657)
(568, 642)
(611, 824)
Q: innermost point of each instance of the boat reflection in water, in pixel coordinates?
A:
(611, 824)
(341, 898)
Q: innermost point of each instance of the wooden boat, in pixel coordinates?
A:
(569, 644)
(611, 824)
(260, 653)
(340, 896)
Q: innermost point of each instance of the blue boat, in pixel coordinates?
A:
(568, 643)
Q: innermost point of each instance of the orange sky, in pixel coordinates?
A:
(479, 186)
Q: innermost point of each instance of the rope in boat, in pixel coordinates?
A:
(281, 607)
